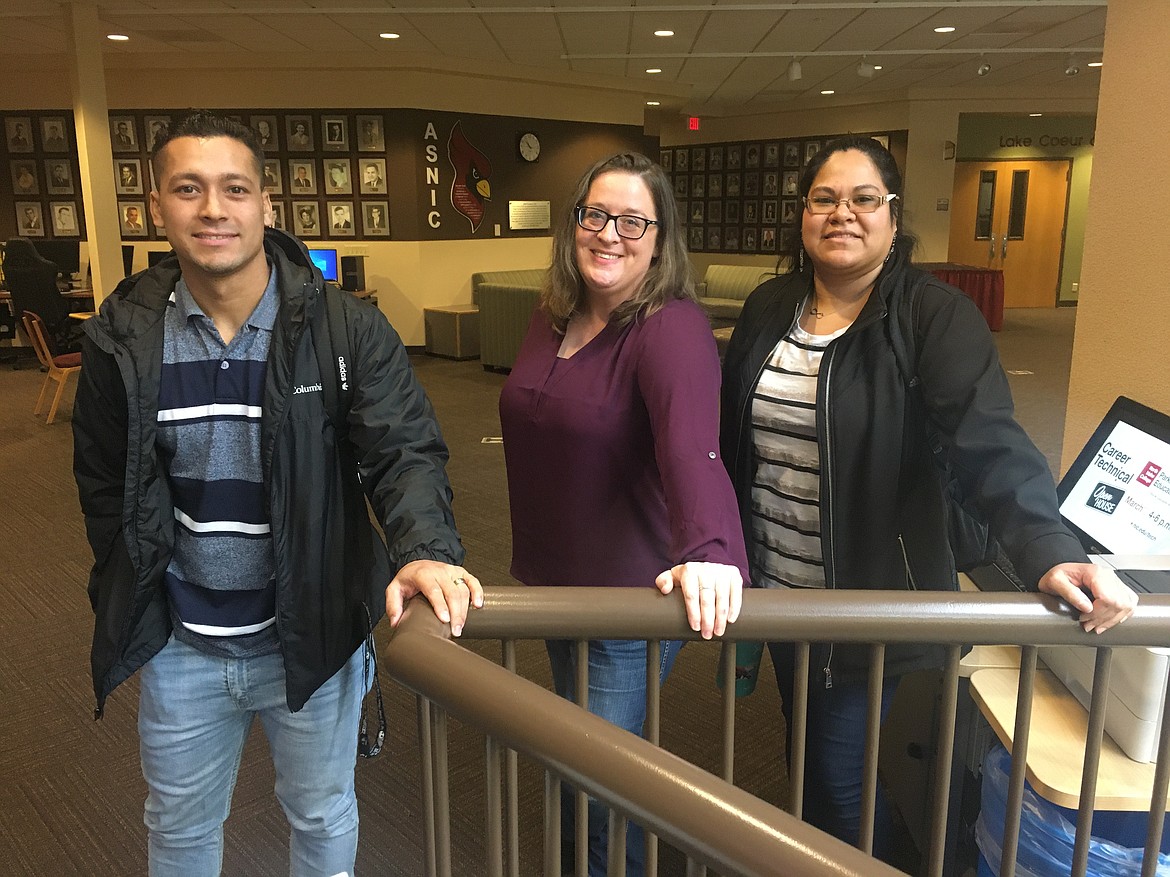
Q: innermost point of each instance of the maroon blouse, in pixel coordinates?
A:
(613, 463)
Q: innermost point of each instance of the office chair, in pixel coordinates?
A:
(58, 367)
(32, 282)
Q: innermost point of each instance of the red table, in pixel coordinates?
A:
(984, 286)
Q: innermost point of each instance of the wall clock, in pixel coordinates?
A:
(529, 147)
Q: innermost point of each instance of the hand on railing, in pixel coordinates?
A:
(712, 593)
(450, 590)
(1112, 602)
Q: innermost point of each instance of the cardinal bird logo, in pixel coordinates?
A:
(471, 186)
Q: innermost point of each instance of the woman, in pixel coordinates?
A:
(836, 480)
(611, 441)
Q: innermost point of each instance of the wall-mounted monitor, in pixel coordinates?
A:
(326, 260)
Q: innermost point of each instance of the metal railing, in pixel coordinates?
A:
(715, 824)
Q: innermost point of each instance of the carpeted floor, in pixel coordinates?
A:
(71, 799)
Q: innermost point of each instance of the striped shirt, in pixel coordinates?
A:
(786, 492)
(220, 580)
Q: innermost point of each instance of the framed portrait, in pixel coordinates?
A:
(751, 155)
(695, 238)
(714, 211)
(371, 134)
(714, 185)
(18, 133)
(768, 240)
(666, 159)
(751, 183)
(696, 214)
(787, 235)
(731, 211)
(373, 176)
(788, 211)
(699, 159)
(64, 215)
(299, 133)
(337, 178)
(278, 215)
(302, 177)
(132, 218)
(340, 219)
(24, 177)
(306, 221)
(731, 239)
(768, 212)
(715, 158)
(53, 137)
(789, 182)
(681, 186)
(751, 212)
(811, 148)
(376, 219)
(58, 176)
(731, 186)
(772, 154)
(267, 132)
(273, 178)
(698, 186)
(682, 159)
(334, 134)
(155, 127)
(29, 220)
(123, 134)
(714, 239)
(771, 183)
(751, 240)
(734, 157)
(792, 155)
(883, 140)
(128, 176)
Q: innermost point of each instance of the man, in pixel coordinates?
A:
(371, 134)
(54, 141)
(376, 219)
(302, 180)
(341, 218)
(31, 221)
(133, 222)
(372, 179)
(60, 178)
(235, 561)
(264, 130)
(64, 222)
(127, 176)
(123, 139)
(300, 138)
(19, 141)
(338, 177)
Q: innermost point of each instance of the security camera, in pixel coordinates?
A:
(1072, 69)
(983, 69)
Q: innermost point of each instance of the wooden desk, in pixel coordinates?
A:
(83, 315)
(1056, 749)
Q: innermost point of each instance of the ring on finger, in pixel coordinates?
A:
(706, 587)
(462, 581)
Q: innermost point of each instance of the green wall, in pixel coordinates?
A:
(989, 136)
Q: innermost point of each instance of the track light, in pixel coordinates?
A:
(794, 71)
(983, 69)
(1073, 68)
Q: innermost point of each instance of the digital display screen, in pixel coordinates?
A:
(326, 260)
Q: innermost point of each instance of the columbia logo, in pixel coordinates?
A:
(306, 388)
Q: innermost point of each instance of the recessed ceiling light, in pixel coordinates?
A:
(1035, 115)
(653, 103)
(946, 29)
(389, 36)
(877, 66)
(653, 69)
(828, 91)
(1094, 64)
(117, 37)
(663, 33)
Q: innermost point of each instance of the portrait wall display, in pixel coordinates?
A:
(336, 178)
(278, 216)
(53, 134)
(373, 176)
(58, 176)
(267, 132)
(334, 134)
(273, 178)
(376, 218)
(123, 134)
(155, 127)
(24, 177)
(18, 133)
(302, 177)
(128, 176)
(299, 133)
(132, 218)
(64, 215)
(340, 219)
(306, 221)
(30, 221)
(371, 134)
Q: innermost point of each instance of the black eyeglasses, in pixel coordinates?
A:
(628, 226)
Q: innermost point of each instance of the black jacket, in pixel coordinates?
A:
(332, 567)
(883, 523)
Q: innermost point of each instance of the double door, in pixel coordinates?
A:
(1011, 215)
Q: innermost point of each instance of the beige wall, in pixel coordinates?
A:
(1120, 345)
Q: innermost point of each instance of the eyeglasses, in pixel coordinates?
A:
(629, 227)
(822, 204)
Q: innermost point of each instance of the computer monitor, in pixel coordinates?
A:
(156, 256)
(66, 255)
(326, 260)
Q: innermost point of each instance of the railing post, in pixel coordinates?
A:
(1093, 735)
(494, 805)
(427, 767)
(442, 792)
(1015, 792)
(652, 733)
(799, 730)
(552, 823)
(581, 820)
(1158, 795)
(873, 731)
(512, 780)
(944, 762)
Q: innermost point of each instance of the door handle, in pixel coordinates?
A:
(1003, 252)
(991, 249)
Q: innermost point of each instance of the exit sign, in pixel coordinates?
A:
(693, 123)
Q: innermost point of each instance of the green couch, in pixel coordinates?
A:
(506, 300)
(725, 287)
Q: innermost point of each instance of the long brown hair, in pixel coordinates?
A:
(670, 275)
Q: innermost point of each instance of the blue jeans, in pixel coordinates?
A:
(617, 693)
(835, 752)
(194, 715)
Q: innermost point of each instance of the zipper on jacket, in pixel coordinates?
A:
(906, 562)
(827, 502)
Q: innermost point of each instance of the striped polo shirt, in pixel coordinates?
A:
(220, 581)
(786, 487)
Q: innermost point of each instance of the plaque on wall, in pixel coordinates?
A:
(529, 215)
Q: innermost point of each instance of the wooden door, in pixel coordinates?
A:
(1011, 215)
